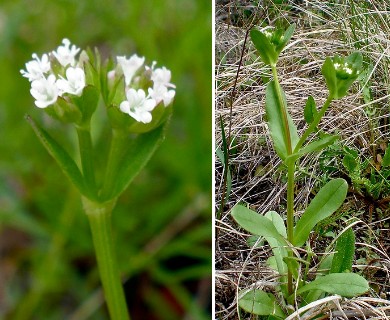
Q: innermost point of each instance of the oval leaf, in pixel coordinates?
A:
(260, 303)
(345, 252)
(343, 284)
(264, 47)
(328, 200)
(255, 223)
(275, 108)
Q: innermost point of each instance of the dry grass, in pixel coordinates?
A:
(322, 30)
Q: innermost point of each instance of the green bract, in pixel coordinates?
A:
(340, 73)
(270, 43)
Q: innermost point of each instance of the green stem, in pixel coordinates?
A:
(290, 176)
(290, 218)
(283, 111)
(314, 124)
(99, 215)
(119, 142)
(87, 157)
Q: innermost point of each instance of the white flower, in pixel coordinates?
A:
(348, 70)
(161, 93)
(75, 82)
(130, 66)
(162, 76)
(138, 106)
(66, 54)
(36, 68)
(44, 91)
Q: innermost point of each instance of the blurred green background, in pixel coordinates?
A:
(162, 224)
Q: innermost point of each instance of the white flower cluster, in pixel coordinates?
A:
(46, 86)
(140, 104)
(343, 67)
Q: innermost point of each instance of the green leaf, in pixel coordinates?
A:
(255, 223)
(350, 163)
(274, 109)
(286, 37)
(310, 110)
(259, 302)
(138, 154)
(64, 160)
(328, 200)
(345, 252)
(87, 102)
(329, 73)
(278, 247)
(343, 284)
(319, 144)
(386, 157)
(264, 47)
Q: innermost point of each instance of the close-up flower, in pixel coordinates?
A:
(36, 68)
(162, 77)
(161, 93)
(66, 54)
(138, 105)
(44, 91)
(74, 82)
(130, 66)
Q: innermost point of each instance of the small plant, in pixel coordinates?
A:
(137, 99)
(336, 275)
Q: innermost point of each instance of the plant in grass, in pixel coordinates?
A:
(295, 287)
(69, 86)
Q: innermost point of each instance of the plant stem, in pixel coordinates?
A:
(119, 142)
(99, 215)
(290, 218)
(314, 124)
(290, 175)
(87, 157)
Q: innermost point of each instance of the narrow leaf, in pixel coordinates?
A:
(343, 284)
(221, 157)
(319, 144)
(275, 108)
(345, 252)
(310, 110)
(386, 157)
(255, 223)
(139, 153)
(259, 302)
(328, 200)
(64, 160)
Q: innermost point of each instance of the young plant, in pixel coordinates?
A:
(137, 100)
(339, 73)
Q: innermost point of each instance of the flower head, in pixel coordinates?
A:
(75, 82)
(138, 105)
(44, 91)
(66, 54)
(36, 68)
(130, 66)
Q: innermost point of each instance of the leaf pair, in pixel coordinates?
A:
(134, 159)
